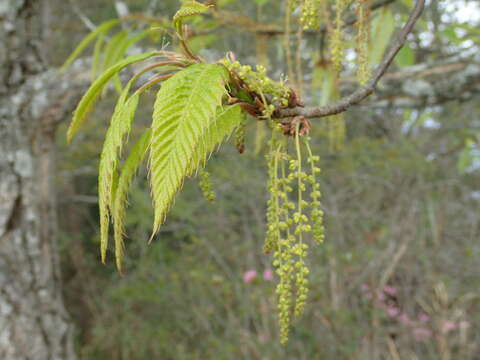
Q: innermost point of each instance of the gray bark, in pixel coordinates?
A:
(33, 321)
(429, 84)
(426, 84)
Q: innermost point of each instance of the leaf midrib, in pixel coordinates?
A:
(184, 117)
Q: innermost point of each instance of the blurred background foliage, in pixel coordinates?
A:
(399, 273)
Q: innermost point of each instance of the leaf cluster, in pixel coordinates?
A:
(198, 105)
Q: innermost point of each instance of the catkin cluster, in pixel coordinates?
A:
(291, 215)
(362, 10)
(337, 41)
(310, 18)
(205, 185)
(272, 94)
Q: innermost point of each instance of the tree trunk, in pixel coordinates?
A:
(33, 321)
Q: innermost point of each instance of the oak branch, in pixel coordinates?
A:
(356, 97)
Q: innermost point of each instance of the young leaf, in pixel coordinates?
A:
(184, 107)
(130, 42)
(122, 50)
(90, 97)
(101, 29)
(221, 126)
(135, 158)
(188, 9)
(110, 52)
(97, 55)
(119, 128)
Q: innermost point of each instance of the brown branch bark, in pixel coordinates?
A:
(356, 97)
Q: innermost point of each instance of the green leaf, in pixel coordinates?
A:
(119, 129)
(110, 52)
(91, 96)
(183, 110)
(122, 50)
(101, 29)
(222, 125)
(405, 56)
(188, 9)
(97, 55)
(383, 28)
(134, 160)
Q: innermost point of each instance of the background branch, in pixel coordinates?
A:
(84, 18)
(229, 18)
(121, 8)
(363, 92)
(428, 84)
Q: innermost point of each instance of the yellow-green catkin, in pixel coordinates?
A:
(205, 185)
(278, 237)
(273, 213)
(298, 62)
(289, 8)
(336, 123)
(291, 216)
(337, 41)
(362, 10)
(301, 226)
(316, 213)
(278, 204)
(258, 81)
(310, 18)
(261, 53)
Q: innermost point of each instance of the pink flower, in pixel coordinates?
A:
(448, 326)
(268, 275)
(421, 334)
(390, 290)
(393, 311)
(423, 317)
(249, 276)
